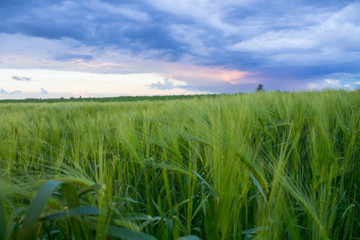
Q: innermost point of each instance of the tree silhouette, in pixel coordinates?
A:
(260, 88)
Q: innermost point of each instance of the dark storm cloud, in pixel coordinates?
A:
(93, 22)
(294, 40)
(17, 78)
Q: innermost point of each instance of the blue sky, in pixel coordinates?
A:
(69, 48)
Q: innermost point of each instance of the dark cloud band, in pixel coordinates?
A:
(17, 78)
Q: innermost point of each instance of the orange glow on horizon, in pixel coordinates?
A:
(203, 73)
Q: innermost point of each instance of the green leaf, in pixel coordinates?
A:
(10, 230)
(212, 190)
(11, 222)
(257, 185)
(123, 233)
(36, 207)
(256, 174)
(72, 198)
(189, 237)
(95, 187)
(78, 228)
(252, 230)
(128, 199)
(347, 210)
(2, 220)
(72, 212)
(148, 221)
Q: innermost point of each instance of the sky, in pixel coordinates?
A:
(100, 48)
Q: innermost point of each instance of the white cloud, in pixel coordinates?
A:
(167, 84)
(55, 83)
(275, 41)
(4, 92)
(38, 53)
(43, 91)
(336, 39)
(331, 83)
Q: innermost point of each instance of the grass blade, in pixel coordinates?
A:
(72, 212)
(2, 220)
(123, 233)
(35, 209)
(189, 237)
(78, 228)
(255, 173)
(257, 185)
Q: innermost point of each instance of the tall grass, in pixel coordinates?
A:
(254, 166)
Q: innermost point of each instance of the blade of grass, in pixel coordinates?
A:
(189, 237)
(2, 220)
(123, 233)
(78, 228)
(35, 209)
(260, 179)
(72, 212)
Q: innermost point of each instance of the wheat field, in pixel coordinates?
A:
(247, 166)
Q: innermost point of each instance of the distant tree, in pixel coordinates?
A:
(260, 88)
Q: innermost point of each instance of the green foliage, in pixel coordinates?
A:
(251, 166)
(105, 99)
(260, 88)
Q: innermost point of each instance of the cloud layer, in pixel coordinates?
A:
(211, 45)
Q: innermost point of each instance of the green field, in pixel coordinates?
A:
(247, 166)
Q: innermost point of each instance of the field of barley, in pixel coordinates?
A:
(247, 166)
